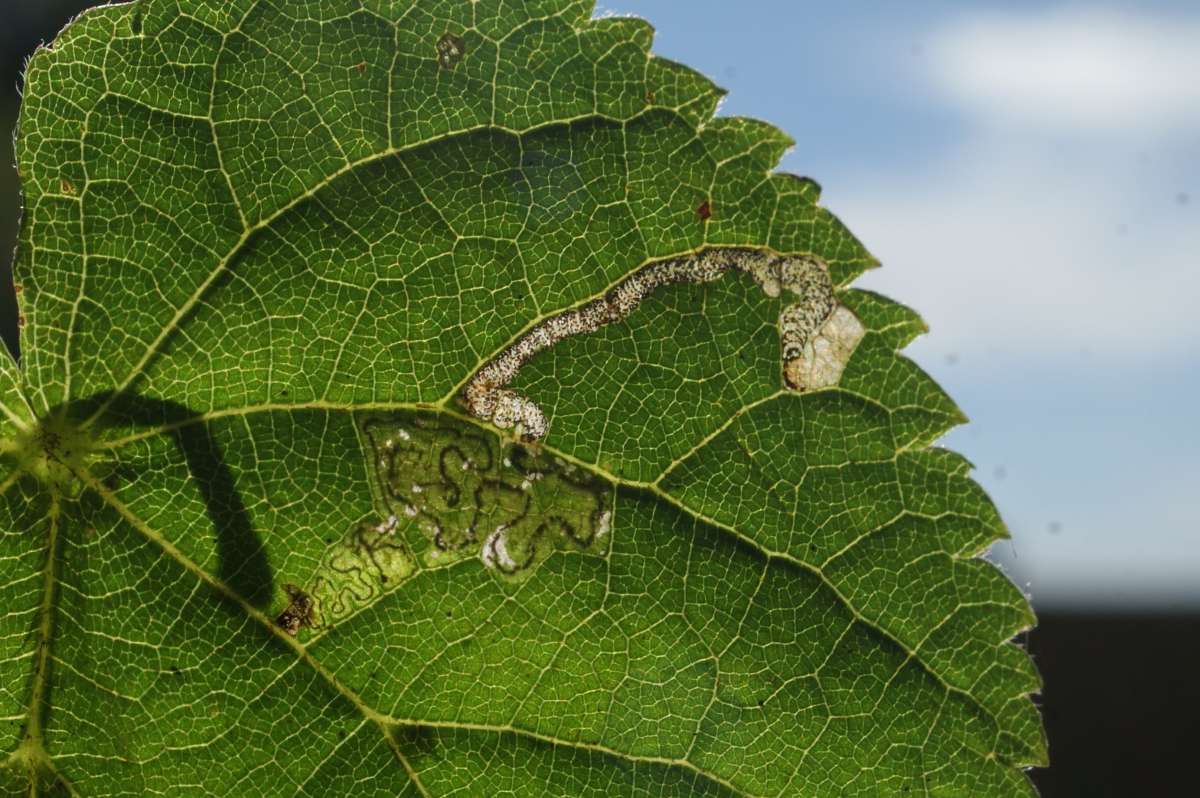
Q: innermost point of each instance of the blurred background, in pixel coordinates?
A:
(1029, 175)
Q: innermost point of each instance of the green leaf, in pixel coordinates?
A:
(434, 398)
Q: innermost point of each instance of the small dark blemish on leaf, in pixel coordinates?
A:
(451, 50)
(298, 614)
(21, 321)
(361, 66)
(18, 288)
(135, 24)
(50, 442)
(67, 187)
(704, 211)
(175, 669)
(651, 97)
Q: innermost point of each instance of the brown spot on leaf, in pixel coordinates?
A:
(361, 66)
(704, 211)
(67, 186)
(451, 50)
(299, 612)
(651, 98)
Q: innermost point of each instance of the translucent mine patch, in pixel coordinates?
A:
(449, 491)
(821, 360)
(454, 491)
(357, 569)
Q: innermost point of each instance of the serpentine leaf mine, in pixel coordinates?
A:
(817, 334)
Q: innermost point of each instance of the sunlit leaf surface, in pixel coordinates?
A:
(301, 280)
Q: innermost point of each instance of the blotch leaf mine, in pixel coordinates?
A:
(435, 398)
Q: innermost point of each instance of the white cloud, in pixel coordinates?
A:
(1062, 217)
(1067, 216)
(1091, 70)
(1006, 250)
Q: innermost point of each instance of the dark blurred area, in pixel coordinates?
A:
(26, 24)
(1121, 704)
(1122, 695)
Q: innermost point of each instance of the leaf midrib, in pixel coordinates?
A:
(31, 752)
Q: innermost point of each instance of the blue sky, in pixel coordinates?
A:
(1029, 174)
